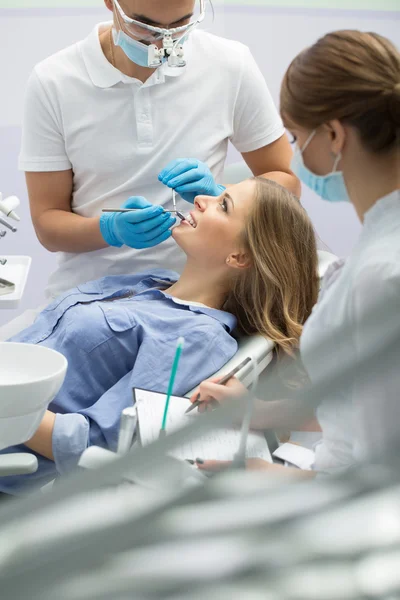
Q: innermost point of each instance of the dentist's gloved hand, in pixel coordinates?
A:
(190, 178)
(144, 228)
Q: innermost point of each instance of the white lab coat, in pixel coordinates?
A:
(363, 417)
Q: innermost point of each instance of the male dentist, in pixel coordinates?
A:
(105, 117)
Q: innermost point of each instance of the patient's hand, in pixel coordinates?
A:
(210, 392)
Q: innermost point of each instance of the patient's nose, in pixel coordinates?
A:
(201, 202)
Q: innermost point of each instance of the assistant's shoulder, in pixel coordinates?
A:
(375, 285)
(384, 275)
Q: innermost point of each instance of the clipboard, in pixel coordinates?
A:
(221, 444)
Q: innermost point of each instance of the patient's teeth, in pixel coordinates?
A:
(190, 221)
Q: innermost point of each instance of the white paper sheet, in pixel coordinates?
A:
(221, 444)
(296, 455)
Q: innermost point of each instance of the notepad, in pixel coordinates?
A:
(220, 444)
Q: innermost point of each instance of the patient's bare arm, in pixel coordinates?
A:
(41, 442)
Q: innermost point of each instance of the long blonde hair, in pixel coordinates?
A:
(275, 295)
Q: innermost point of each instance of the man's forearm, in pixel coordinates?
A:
(62, 231)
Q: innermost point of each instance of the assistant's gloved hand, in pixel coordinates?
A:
(190, 178)
(144, 228)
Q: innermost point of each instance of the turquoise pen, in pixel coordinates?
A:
(179, 348)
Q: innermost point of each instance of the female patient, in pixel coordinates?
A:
(251, 264)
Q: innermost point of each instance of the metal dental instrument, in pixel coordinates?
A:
(178, 214)
(125, 210)
(3, 261)
(5, 224)
(3, 233)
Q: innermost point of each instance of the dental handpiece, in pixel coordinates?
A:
(5, 224)
(178, 214)
(127, 430)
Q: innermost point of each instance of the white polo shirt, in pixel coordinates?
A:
(117, 133)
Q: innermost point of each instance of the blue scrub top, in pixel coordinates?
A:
(118, 333)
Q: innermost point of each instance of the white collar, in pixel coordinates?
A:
(382, 208)
(104, 75)
(188, 302)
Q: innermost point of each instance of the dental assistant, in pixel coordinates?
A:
(105, 117)
(348, 150)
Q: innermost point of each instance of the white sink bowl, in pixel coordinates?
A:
(30, 378)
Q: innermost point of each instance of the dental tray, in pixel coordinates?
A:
(15, 271)
(6, 287)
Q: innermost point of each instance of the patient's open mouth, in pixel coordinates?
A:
(191, 220)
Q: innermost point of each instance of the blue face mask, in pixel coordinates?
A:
(136, 51)
(329, 187)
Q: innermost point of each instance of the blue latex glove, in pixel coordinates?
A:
(190, 178)
(142, 229)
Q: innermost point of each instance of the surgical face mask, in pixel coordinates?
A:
(329, 187)
(137, 52)
(150, 46)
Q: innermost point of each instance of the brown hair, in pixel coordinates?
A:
(352, 76)
(275, 296)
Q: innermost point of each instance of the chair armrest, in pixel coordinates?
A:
(255, 346)
(17, 464)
